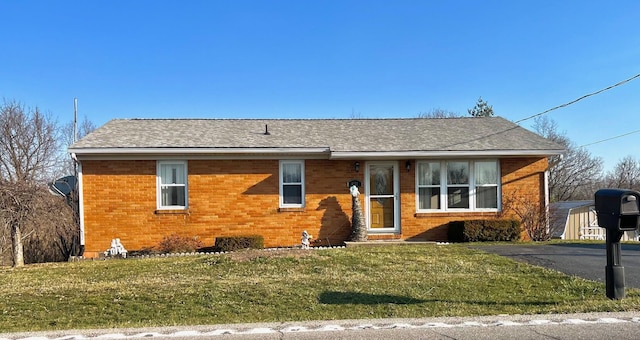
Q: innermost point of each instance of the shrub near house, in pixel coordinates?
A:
(142, 180)
(484, 230)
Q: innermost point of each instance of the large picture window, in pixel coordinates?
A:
(457, 185)
(172, 184)
(292, 184)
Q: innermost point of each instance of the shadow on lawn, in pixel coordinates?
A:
(344, 298)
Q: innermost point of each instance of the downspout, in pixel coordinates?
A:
(546, 199)
(80, 199)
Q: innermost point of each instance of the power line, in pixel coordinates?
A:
(581, 98)
(608, 139)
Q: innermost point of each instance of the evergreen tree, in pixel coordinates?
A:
(482, 109)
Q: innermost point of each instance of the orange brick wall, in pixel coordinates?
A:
(228, 197)
(240, 197)
(522, 176)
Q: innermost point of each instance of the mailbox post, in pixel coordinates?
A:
(618, 211)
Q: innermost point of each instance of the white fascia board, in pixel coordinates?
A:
(198, 153)
(440, 154)
(282, 153)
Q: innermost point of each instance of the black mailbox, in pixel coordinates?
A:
(618, 209)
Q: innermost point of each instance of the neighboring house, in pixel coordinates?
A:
(143, 179)
(578, 220)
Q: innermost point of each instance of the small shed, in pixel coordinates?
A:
(578, 220)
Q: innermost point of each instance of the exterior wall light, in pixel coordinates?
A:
(356, 166)
(408, 165)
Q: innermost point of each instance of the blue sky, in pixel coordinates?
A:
(329, 59)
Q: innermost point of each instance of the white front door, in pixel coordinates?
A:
(382, 203)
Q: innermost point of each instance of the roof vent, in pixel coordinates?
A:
(266, 130)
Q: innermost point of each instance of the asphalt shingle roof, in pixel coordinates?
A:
(338, 135)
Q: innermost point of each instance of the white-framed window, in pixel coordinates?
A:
(486, 184)
(292, 184)
(428, 185)
(457, 185)
(172, 184)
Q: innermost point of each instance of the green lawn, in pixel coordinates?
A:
(348, 283)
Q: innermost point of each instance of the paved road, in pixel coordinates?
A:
(582, 260)
(552, 326)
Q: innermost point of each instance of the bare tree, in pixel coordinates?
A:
(571, 176)
(625, 175)
(356, 114)
(14, 211)
(29, 154)
(535, 217)
(40, 225)
(52, 233)
(439, 113)
(28, 144)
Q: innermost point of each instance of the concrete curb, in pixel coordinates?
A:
(330, 325)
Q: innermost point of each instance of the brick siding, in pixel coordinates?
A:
(241, 197)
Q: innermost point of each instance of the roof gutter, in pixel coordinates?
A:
(441, 154)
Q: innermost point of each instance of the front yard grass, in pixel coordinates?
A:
(294, 285)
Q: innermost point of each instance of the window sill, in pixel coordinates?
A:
(171, 212)
(291, 209)
(454, 213)
(387, 232)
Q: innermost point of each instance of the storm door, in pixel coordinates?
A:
(381, 187)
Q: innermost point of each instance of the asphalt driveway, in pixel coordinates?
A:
(583, 260)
